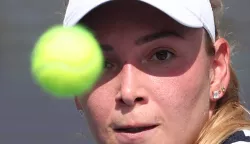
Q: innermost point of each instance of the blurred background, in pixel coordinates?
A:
(29, 116)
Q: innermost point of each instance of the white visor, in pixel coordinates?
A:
(190, 13)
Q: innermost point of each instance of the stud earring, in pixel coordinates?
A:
(81, 113)
(216, 94)
(223, 89)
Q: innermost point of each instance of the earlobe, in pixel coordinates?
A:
(78, 104)
(221, 71)
(215, 96)
(218, 94)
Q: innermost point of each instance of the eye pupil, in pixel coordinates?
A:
(161, 55)
(108, 65)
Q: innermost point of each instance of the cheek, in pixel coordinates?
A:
(99, 104)
(183, 98)
(179, 93)
(183, 90)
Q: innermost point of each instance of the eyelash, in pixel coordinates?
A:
(152, 57)
(106, 63)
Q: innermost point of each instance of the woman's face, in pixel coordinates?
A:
(155, 88)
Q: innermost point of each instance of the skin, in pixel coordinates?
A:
(166, 80)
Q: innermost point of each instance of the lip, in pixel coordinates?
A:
(138, 134)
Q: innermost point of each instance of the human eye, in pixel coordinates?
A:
(108, 65)
(162, 55)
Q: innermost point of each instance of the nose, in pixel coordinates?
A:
(131, 91)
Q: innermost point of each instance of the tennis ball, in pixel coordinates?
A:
(66, 61)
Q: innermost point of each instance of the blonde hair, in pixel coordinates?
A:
(229, 116)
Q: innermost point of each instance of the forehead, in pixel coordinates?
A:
(125, 12)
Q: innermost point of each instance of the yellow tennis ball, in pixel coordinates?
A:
(67, 61)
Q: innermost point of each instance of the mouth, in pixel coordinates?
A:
(134, 129)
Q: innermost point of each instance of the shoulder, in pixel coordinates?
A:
(239, 137)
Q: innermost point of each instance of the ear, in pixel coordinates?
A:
(220, 70)
(78, 104)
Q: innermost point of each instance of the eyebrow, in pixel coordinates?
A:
(107, 47)
(145, 39)
(155, 36)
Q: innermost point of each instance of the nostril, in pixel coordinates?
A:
(122, 101)
(138, 99)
